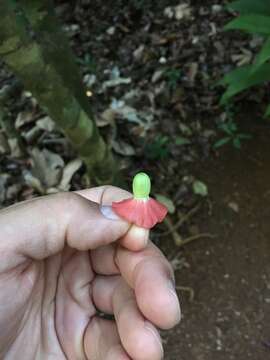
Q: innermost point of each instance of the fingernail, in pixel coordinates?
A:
(108, 212)
(172, 291)
(148, 326)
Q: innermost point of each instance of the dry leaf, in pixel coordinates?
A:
(46, 123)
(129, 113)
(23, 118)
(89, 80)
(106, 118)
(169, 12)
(115, 79)
(178, 12)
(157, 75)
(234, 206)
(193, 70)
(15, 148)
(4, 146)
(3, 181)
(115, 82)
(33, 182)
(123, 148)
(182, 11)
(47, 167)
(244, 58)
(68, 172)
(111, 30)
(31, 135)
(12, 191)
(138, 53)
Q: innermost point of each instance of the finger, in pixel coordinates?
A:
(103, 288)
(102, 260)
(136, 238)
(105, 195)
(41, 228)
(102, 342)
(139, 337)
(151, 276)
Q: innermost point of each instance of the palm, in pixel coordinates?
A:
(54, 296)
(50, 292)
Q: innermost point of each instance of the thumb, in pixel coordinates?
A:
(42, 227)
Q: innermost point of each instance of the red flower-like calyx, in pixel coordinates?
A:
(144, 213)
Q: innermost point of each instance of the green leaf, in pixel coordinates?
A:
(199, 188)
(258, 24)
(167, 202)
(244, 136)
(243, 78)
(221, 142)
(237, 143)
(263, 56)
(226, 128)
(181, 141)
(235, 75)
(267, 111)
(251, 7)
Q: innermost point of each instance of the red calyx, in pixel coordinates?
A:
(144, 213)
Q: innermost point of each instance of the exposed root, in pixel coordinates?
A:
(195, 237)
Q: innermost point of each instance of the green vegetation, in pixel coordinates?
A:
(173, 76)
(231, 132)
(253, 18)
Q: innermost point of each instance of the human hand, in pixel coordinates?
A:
(60, 261)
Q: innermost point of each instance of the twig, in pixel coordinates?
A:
(172, 231)
(195, 237)
(180, 222)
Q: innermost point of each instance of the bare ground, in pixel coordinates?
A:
(230, 275)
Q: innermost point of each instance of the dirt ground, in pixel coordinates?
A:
(230, 274)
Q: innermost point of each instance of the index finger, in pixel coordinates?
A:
(149, 273)
(136, 238)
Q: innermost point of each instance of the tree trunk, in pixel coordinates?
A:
(50, 73)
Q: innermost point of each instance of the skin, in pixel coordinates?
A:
(61, 260)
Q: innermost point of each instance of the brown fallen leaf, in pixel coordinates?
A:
(178, 12)
(123, 148)
(47, 167)
(24, 117)
(3, 181)
(193, 71)
(4, 146)
(45, 123)
(15, 148)
(33, 182)
(68, 172)
(106, 118)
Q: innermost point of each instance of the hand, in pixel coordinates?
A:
(61, 260)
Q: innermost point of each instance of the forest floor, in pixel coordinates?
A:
(150, 70)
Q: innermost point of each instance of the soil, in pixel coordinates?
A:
(229, 317)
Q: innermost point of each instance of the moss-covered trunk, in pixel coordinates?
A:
(44, 62)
